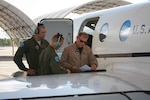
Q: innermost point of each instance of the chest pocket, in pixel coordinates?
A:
(84, 55)
(74, 55)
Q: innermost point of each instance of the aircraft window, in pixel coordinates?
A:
(103, 32)
(88, 26)
(88, 30)
(125, 30)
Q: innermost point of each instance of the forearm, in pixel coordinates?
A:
(20, 64)
(64, 60)
(65, 65)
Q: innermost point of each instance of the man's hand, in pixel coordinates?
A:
(75, 69)
(68, 71)
(31, 72)
(93, 67)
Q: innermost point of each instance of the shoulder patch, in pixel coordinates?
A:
(56, 58)
(21, 44)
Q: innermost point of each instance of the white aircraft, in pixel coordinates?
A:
(120, 40)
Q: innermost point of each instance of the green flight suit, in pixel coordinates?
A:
(49, 62)
(32, 50)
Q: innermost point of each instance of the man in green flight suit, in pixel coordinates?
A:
(32, 49)
(49, 62)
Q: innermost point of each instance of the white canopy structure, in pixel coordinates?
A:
(14, 22)
(18, 25)
(84, 8)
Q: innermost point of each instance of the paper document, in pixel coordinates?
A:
(85, 68)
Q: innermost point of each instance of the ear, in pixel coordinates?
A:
(77, 37)
(61, 42)
(36, 31)
(57, 44)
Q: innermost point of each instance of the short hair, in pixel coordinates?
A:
(56, 36)
(40, 25)
(83, 33)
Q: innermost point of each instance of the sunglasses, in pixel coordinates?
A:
(82, 41)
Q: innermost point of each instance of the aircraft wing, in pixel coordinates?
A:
(108, 85)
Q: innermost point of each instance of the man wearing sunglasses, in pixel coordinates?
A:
(78, 55)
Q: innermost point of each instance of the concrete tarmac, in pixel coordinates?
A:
(7, 65)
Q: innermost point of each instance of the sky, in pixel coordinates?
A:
(36, 8)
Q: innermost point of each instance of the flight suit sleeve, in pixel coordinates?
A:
(55, 66)
(64, 58)
(18, 57)
(44, 62)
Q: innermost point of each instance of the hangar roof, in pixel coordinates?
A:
(14, 22)
(18, 25)
(99, 5)
(85, 8)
